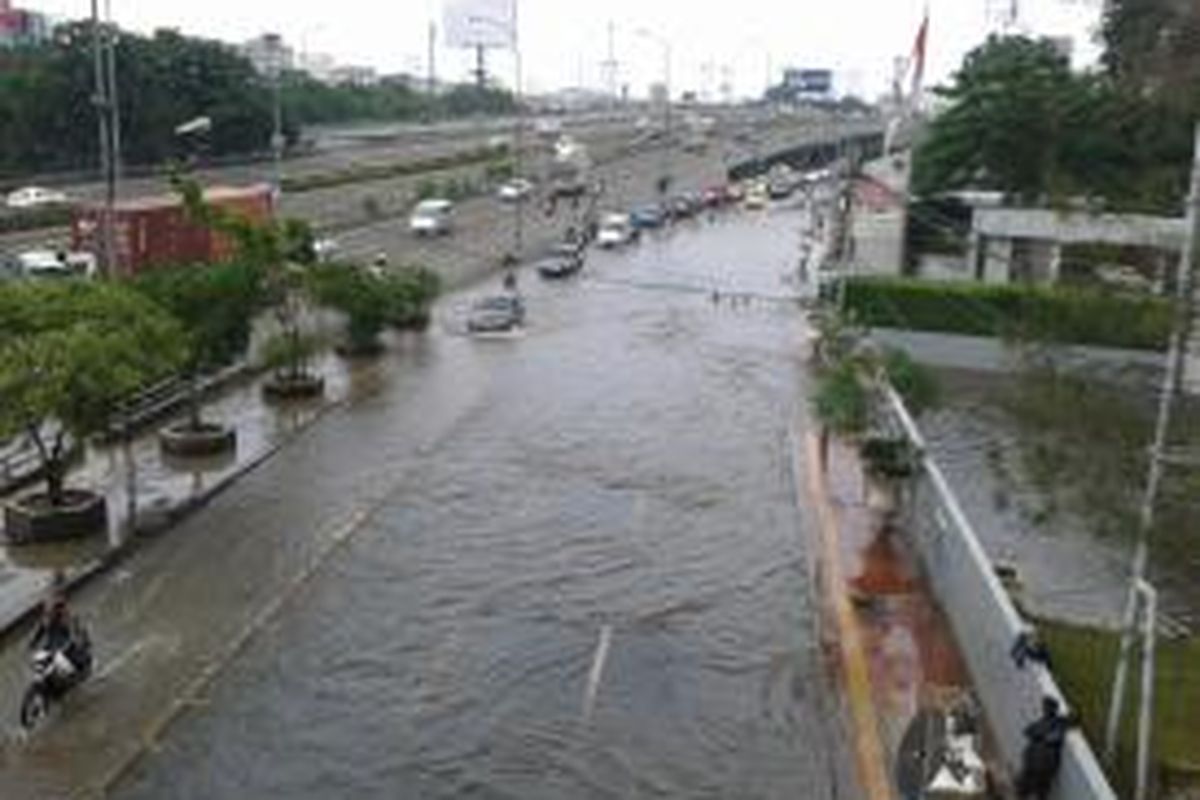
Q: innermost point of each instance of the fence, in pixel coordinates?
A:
(985, 621)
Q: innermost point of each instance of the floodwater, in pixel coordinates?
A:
(568, 563)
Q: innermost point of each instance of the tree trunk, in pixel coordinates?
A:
(55, 478)
(194, 418)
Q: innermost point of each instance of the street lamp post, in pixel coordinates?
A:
(512, 30)
(275, 42)
(664, 182)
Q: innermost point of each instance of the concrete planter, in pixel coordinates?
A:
(185, 441)
(32, 519)
(293, 387)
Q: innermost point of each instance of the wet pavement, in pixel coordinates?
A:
(569, 563)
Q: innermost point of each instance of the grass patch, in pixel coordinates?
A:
(1084, 660)
(1031, 313)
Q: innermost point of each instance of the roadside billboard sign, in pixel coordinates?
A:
(480, 23)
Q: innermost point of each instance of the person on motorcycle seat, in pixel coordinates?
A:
(59, 632)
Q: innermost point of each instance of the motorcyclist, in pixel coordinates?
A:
(60, 633)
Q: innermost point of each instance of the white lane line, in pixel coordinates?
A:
(597, 671)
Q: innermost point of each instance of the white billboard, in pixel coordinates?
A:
(480, 23)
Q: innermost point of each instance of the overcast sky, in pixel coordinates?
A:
(565, 41)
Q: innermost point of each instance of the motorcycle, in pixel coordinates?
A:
(55, 673)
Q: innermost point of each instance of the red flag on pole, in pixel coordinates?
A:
(918, 58)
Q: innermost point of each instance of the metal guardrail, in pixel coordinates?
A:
(985, 621)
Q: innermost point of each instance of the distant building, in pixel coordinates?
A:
(20, 26)
(353, 76)
(267, 53)
(318, 66)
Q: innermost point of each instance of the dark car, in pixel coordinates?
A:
(496, 314)
(648, 217)
(684, 206)
(564, 260)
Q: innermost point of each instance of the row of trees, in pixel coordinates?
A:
(71, 353)
(47, 121)
(1018, 120)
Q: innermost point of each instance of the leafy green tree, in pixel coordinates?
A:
(1154, 47)
(281, 252)
(69, 354)
(1008, 105)
(216, 305)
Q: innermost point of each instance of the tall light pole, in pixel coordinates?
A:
(511, 30)
(102, 102)
(664, 182)
(275, 43)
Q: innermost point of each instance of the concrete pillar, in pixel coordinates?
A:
(1054, 266)
(997, 260)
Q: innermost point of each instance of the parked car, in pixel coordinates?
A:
(615, 230)
(648, 217)
(35, 197)
(432, 217)
(496, 314)
(684, 206)
(715, 196)
(756, 198)
(514, 190)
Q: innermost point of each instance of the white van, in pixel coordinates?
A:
(432, 218)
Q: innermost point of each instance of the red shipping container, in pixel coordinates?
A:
(155, 231)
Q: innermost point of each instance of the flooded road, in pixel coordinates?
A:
(566, 564)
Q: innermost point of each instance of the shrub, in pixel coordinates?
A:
(1062, 315)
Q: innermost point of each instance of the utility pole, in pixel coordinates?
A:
(99, 101)
(610, 65)
(518, 141)
(432, 58)
(1162, 429)
(480, 67)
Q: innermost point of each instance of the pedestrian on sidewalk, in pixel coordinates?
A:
(1044, 741)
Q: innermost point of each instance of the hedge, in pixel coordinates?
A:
(1053, 314)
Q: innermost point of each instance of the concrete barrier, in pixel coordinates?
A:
(985, 621)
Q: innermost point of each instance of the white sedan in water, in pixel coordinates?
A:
(35, 197)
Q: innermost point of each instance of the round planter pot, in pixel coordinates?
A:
(33, 519)
(347, 351)
(184, 441)
(302, 387)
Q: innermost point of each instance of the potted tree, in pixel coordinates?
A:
(410, 292)
(283, 251)
(359, 295)
(216, 305)
(69, 353)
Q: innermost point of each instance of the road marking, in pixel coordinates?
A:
(596, 672)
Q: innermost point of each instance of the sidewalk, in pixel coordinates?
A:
(899, 663)
(166, 488)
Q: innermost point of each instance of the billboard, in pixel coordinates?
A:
(480, 23)
(809, 82)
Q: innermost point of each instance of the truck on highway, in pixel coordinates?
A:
(157, 231)
(570, 169)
